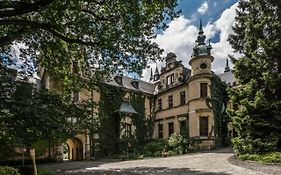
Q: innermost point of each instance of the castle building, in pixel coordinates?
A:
(175, 94)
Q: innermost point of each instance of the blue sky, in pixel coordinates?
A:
(217, 17)
(213, 11)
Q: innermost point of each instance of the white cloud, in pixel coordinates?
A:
(180, 37)
(203, 8)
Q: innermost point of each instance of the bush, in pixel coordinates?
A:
(153, 147)
(272, 157)
(5, 170)
(251, 146)
(179, 144)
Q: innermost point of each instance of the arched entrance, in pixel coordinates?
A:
(73, 149)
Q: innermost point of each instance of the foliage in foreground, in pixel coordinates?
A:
(100, 32)
(5, 170)
(175, 145)
(271, 157)
(258, 72)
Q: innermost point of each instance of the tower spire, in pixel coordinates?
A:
(151, 75)
(226, 69)
(200, 28)
(200, 47)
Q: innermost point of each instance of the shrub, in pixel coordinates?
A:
(5, 170)
(154, 146)
(272, 157)
(251, 146)
(178, 144)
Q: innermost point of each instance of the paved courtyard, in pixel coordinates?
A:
(211, 163)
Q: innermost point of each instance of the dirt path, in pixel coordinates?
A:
(210, 163)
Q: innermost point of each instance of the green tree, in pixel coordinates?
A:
(32, 117)
(257, 36)
(111, 35)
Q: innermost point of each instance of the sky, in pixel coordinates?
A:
(217, 17)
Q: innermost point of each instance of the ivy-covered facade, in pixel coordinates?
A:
(130, 112)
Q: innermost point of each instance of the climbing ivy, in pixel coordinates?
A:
(109, 117)
(143, 123)
(218, 102)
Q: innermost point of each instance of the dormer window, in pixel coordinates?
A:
(118, 79)
(170, 79)
(135, 83)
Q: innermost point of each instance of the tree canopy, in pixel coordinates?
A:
(257, 36)
(107, 35)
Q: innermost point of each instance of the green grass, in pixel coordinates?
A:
(272, 157)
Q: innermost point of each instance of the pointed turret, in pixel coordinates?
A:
(201, 58)
(226, 69)
(200, 47)
(156, 74)
(156, 71)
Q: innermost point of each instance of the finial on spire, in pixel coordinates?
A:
(200, 27)
(226, 69)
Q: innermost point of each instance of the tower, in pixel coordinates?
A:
(201, 119)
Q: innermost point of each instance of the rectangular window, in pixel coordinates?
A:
(203, 89)
(182, 98)
(171, 128)
(172, 78)
(160, 131)
(170, 101)
(203, 123)
(168, 80)
(159, 104)
(183, 128)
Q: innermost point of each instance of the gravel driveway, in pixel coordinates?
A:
(209, 163)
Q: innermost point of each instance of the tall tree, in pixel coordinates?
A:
(257, 36)
(112, 34)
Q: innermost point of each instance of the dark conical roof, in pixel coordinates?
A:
(200, 47)
(170, 55)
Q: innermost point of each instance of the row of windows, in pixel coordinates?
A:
(170, 129)
(203, 93)
(203, 127)
(171, 102)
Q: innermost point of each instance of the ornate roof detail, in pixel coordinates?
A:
(200, 47)
(170, 55)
